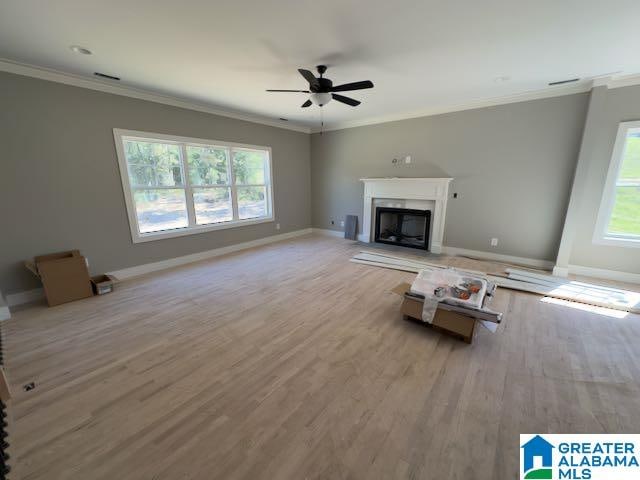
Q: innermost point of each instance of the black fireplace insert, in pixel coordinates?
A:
(403, 226)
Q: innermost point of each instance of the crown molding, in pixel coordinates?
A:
(491, 102)
(609, 81)
(10, 66)
(127, 91)
(623, 81)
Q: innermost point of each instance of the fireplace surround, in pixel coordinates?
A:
(412, 193)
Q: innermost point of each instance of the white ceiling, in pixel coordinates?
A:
(421, 54)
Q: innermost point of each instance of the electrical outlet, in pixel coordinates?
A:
(494, 242)
(342, 223)
(277, 226)
(407, 159)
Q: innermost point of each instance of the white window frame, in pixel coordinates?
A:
(600, 234)
(120, 135)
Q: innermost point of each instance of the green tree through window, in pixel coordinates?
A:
(175, 184)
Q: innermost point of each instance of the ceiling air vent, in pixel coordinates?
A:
(562, 82)
(108, 77)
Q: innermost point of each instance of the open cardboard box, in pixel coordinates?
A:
(453, 323)
(64, 276)
(102, 284)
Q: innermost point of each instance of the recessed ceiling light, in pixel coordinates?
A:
(80, 50)
(502, 79)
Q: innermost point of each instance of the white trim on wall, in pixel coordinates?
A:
(138, 270)
(454, 251)
(549, 92)
(37, 294)
(27, 296)
(604, 273)
(52, 75)
(621, 81)
(329, 233)
(121, 135)
(5, 314)
(434, 190)
(90, 83)
(611, 82)
(498, 257)
(600, 234)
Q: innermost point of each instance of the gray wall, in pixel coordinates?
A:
(60, 186)
(513, 166)
(609, 108)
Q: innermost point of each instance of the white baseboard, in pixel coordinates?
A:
(5, 314)
(616, 275)
(195, 257)
(530, 262)
(337, 233)
(560, 271)
(30, 296)
(330, 233)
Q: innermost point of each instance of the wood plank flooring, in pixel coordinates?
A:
(289, 362)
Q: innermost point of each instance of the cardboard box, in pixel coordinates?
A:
(64, 276)
(102, 284)
(453, 323)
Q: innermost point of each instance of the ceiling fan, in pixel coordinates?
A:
(321, 89)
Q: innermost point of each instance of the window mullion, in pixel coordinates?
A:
(188, 190)
(234, 190)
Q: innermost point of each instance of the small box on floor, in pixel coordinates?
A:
(102, 284)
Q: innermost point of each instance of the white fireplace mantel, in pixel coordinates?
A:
(428, 189)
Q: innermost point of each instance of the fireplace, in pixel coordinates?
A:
(415, 193)
(403, 226)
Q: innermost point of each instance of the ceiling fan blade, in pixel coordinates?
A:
(309, 77)
(353, 86)
(301, 91)
(306, 104)
(347, 100)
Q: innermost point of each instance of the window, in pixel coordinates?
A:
(619, 216)
(177, 186)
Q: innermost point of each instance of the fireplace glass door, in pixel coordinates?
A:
(403, 226)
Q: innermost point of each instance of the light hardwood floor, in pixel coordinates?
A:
(289, 362)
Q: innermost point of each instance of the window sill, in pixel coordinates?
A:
(182, 232)
(614, 241)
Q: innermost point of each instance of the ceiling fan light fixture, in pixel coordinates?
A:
(320, 99)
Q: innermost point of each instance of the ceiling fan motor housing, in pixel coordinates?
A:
(324, 85)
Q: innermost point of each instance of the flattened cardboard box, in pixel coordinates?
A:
(64, 276)
(453, 323)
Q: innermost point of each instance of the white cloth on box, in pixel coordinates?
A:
(429, 308)
(428, 281)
